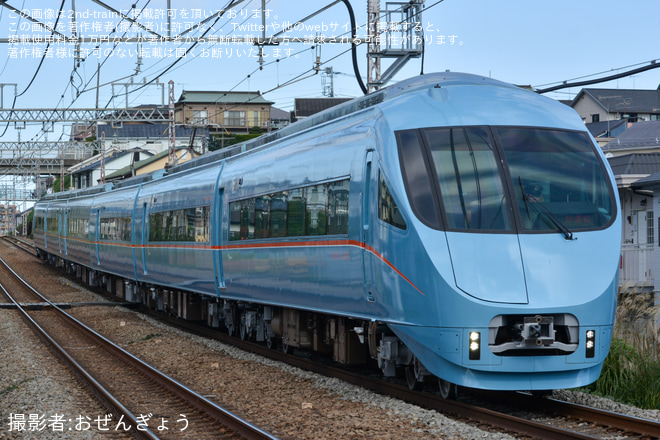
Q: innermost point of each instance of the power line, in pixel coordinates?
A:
(566, 84)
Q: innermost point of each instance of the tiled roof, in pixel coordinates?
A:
(219, 97)
(147, 131)
(624, 100)
(139, 164)
(601, 128)
(639, 163)
(638, 135)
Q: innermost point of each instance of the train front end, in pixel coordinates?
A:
(516, 239)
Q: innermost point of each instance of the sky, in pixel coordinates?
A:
(525, 42)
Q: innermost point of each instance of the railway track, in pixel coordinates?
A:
(141, 400)
(543, 418)
(21, 244)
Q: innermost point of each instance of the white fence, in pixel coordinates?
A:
(636, 266)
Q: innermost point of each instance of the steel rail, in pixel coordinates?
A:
(495, 419)
(223, 416)
(22, 245)
(98, 390)
(637, 425)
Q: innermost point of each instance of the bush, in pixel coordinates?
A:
(631, 372)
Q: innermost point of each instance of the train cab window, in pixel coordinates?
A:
(416, 177)
(558, 180)
(473, 193)
(387, 208)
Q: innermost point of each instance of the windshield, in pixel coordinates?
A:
(469, 178)
(509, 178)
(560, 171)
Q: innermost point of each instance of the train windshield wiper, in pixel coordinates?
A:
(543, 210)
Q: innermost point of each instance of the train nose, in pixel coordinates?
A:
(488, 266)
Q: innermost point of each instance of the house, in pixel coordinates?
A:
(150, 164)
(639, 137)
(596, 105)
(606, 131)
(23, 226)
(153, 137)
(88, 172)
(279, 118)
(7, 219)
(637, 209)
(650, 186)
(221, 112)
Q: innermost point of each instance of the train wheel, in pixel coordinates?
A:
(413, 377)
(242, 328)
(448, 390)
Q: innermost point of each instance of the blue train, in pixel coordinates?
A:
(449, 228)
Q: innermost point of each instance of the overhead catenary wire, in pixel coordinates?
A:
(653, 65)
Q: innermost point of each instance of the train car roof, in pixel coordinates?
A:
(403, 87)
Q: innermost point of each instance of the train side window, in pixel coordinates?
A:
(416, 177)
(247, 219)
(156, 223)
(316, 209)
(186, 225)
(338, 207)
(295, 224)
(261, 217)
(387, 208)
(202, 224)
(278, 210)
(235, 221)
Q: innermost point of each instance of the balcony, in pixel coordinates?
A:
(636, 265)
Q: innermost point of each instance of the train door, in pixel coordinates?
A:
(218, 241)
(367, 232)
(145, 232)
(95, 227)
(65, 229)
(60, 229)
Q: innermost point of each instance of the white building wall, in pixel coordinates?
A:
(639, 236)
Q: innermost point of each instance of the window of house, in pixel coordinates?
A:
(235, 118)
(595, 118)
(200, 117)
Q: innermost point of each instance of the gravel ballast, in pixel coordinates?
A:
(286, 401)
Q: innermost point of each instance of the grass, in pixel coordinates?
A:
(631, 372)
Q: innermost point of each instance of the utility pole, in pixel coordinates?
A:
(399, 38)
